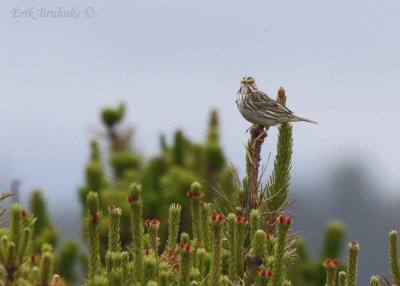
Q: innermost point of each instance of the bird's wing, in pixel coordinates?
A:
(264, 103)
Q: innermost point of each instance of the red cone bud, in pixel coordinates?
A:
(185, 247)
(151, 222)
(95, 216)
(241, 218)
(217, 217)
(132, 198)
(285, 220)
(331, 261)
(266, 272)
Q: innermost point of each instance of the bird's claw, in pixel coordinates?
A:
(261, 136)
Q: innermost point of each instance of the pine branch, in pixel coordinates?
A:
(92, 232)
(393, 261)
(352, 266)
(278, 186)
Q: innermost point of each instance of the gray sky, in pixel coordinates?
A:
(171, 61)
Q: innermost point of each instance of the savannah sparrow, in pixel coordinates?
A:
(256, 107)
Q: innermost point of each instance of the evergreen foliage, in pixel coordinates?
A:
(45, 232)
(18, 264)
(166, 178)
(393, 260)
(235, 234)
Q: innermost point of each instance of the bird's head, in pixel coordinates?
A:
(248, 82)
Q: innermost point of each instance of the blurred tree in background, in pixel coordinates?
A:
(165, 177)
(45, 232)
(307, 272)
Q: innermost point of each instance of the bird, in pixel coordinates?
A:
(258, 108)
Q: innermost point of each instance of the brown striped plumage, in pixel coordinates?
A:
(256, 107)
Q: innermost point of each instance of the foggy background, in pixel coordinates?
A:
(171, 61)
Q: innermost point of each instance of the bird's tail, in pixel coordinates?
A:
(306, 120)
